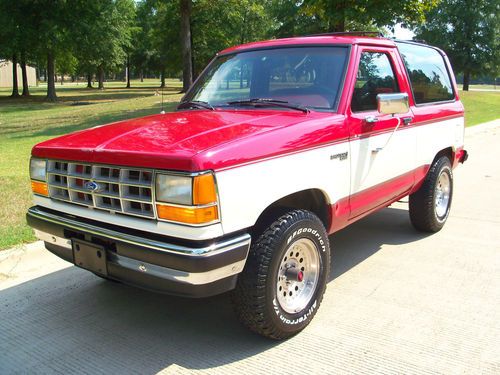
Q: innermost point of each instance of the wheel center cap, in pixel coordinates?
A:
(294, 274)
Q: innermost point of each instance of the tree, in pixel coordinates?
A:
(101, 33)
(219, 24)
(146, 31)
(187, 58)
(66, 64)
(28, 39)
(51, 26)
(163, 39)
(468, 30)
(10, 38)
(316, 16)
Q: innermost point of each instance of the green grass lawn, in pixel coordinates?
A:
(480, 106)
(25, 122)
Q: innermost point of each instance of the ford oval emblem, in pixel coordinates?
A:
(93, 186)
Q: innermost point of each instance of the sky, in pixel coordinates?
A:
(402, 33)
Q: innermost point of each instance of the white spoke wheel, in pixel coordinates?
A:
(285, 276)
(430, 205)
(298, 275)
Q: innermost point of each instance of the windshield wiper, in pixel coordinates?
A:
(195, 104)
(270, 102)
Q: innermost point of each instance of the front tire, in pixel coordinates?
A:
(282, 285)
(430, 205)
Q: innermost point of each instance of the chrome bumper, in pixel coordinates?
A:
(205, 265)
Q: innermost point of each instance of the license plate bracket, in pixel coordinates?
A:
(89, 256)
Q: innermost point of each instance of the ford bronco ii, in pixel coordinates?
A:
(277, 145)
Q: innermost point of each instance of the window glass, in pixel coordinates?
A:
(428, 75)
(375, 76)
(307, 76)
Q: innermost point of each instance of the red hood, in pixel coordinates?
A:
(178, 140)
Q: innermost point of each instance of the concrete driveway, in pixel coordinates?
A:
(398, 302)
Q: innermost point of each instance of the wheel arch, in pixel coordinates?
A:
(314, 200)
(449, 152)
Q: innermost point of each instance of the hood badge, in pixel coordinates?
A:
(94, 187)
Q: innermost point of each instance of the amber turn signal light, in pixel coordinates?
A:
(188, 215)
(204, 189)
(39, 188)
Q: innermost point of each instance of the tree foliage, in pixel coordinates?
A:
(468, 30)
(146, 37)
(316, 16)
(102, 33)
(218, 24)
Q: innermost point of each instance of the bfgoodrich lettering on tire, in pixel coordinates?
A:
(430, 205)
(282, 285)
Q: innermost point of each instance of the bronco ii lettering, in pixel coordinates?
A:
(277, 145)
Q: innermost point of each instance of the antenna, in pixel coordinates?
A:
(162, 109)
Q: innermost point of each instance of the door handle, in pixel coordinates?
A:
(407, 121)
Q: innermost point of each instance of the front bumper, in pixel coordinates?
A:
(159, 263)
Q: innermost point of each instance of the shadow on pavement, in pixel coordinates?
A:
(71, 319)
(364, 238)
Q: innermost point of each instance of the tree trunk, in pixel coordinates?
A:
(26, 89)
(101, 78)
(187, 62)
(141, 74)
(466, 80)
(89, 80)
(51, 84)
(162, 78)
(128, 71)
(15, 87)
(193, 67)
(62, 79)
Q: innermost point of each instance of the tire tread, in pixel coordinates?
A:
(421, 203)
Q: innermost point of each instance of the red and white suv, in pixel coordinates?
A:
(276, 146)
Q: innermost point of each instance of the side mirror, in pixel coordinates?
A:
(392, 104)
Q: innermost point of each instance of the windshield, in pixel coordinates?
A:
(305, 76)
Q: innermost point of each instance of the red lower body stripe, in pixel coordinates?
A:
(360, 204)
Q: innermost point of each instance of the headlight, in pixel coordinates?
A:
(38, 169)
(174, 189)
(193, 199)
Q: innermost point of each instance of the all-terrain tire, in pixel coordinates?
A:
(430, 205)
(283, 251)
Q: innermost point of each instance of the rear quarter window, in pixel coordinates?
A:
(429, 77)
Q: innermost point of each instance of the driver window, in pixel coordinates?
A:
(375, 76)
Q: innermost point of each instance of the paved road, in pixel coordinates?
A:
(398, 302)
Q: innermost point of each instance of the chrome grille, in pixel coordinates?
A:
(120, 190)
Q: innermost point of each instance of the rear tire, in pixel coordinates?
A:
(284, 279)
(430, 205)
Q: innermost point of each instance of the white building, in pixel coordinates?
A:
(6, 74)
